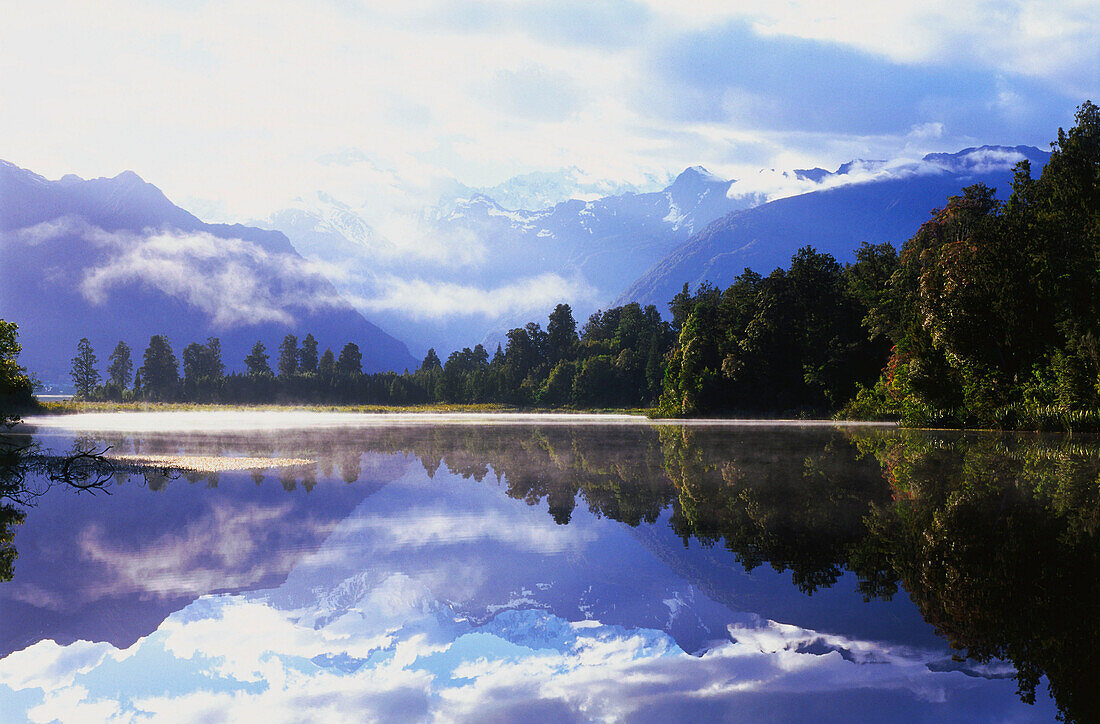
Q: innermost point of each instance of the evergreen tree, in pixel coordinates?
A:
(561, 334)
(122, 366)
(84, 374)
(256, 363)
(431, 362)
(350, 361)
(307, 356)
(159, 370)
(326, 367)
(203, 370)
(288, 356)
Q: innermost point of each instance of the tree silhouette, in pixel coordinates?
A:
(350, 361)
(16, 389)
(256, 362)
(307, 356)
(159, 370)
(84, 374)
(288, 356)
(121, 369)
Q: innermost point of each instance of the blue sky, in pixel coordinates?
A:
(236, 108)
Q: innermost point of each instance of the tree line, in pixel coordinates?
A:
(992, 309)
(616, 359)
(989, 316)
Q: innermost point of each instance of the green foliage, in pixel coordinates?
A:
(16, 389)
(994, 309)
(203, 370)
(350, 361)
(793, 342)
(307, 356)
(288, 356)
(121, 369)
(84, 374)
(561, 334)
(159, 370)
(995, 538)
(256, 364)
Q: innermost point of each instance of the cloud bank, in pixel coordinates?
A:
(422, 299)
(769, 184)
(268, 102)
(235, 281)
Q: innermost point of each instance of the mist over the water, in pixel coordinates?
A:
(231, 420)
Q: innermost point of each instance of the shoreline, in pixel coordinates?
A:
(215, 419)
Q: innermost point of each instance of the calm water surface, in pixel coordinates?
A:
(549, 570)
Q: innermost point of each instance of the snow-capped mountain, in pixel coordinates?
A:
(470, 268)
(543, 189)
(473, 266)
(872, 201)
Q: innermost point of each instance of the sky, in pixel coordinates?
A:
(236, 108)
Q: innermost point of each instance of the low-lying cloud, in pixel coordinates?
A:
(769, 185)
(422, 299)
(236, 282)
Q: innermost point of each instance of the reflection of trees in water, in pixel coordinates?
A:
(993, 537)
(793, 500)
(27, 473)
(617, 472)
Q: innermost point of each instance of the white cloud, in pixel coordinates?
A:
(428, 668)
(47, 665)
(256, 98)
(422, 299)
(424, 527)
(46, 231)
(226, 548)
(1053, 42)
(236, 282)
(772, 184)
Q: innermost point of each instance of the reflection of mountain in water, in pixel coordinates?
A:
(112, 567)
(993, 539)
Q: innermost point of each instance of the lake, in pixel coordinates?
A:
(311, 566)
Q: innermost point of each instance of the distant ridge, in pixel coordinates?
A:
(872, 201)
(113, 258)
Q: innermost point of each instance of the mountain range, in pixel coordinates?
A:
(112, 259)
(862, 201)
(479, 268)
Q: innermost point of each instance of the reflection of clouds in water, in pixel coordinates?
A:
(234, 659)
(223, 549)
(422, 527)
(47, 665)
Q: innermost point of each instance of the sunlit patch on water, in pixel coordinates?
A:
(271, 420)
(208, 464)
